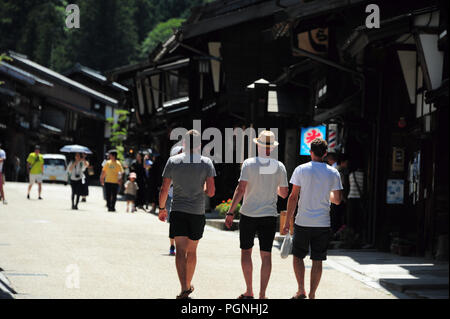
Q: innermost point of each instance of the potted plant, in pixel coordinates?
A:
(223, 208)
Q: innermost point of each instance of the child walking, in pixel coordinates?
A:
(131, 188)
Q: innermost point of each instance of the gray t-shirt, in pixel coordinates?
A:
(188, 173)
(260, 198)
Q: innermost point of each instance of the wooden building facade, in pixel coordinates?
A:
(288, 65)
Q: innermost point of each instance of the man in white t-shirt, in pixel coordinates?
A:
(262, 180)
(318, 184)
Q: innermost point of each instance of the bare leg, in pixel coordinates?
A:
(299, 270)
(247, 269)
(266, 269)
(29, 188)
(316, 274)
(180, 260)
(39, 189)
(191, 261)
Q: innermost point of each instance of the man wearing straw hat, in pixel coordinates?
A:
(262, 179)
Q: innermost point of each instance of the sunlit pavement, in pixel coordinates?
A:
(48, 250)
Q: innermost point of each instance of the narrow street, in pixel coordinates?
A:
(48, 250)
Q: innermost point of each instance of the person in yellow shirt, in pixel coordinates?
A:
(35, 165)
(111, 178)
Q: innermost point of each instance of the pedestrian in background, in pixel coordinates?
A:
(192, 176)
(84, 190)
(2, 176)
(131, 189)
(332, 159)
(317, 184)
(335, 217)
(342, 207)
(16, 168)
(111, 178)
(174, 151)
(154, 180)
(76, 170)
(138, 168)
(35, 167)
(356, 215)
(147, 166)
(262, 180)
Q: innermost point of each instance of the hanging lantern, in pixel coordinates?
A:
(402, 122)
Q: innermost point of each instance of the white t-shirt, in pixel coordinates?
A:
(3, 157)
(263, 175)
(77, 171)
(316, 180)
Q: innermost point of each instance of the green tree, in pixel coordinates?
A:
(160, 33)
(119, 132)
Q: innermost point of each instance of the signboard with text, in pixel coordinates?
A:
(308, 134)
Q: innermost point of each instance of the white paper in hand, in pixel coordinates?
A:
(286, 247)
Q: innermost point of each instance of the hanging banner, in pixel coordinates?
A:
(308, 134)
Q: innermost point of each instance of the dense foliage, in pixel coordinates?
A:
(112, 32)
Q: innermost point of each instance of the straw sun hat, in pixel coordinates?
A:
(266, 139)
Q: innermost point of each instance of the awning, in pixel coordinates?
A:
(21, 75)
(390, 29)
(164, 66)
(63, 79)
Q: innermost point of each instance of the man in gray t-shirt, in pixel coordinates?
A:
(262, 180)
(188, 173)
(191, 175)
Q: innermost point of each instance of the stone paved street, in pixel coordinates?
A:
(44, 245)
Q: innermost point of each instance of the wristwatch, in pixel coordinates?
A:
(230, 214)
(162, 208)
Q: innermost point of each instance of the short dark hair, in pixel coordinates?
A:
(319, 147)
(332, 156)
(191, 137)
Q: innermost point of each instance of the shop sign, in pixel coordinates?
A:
(308, 134)
(395, 189)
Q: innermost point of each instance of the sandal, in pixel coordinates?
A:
(185, 294)
(302, 296)
(245, 297)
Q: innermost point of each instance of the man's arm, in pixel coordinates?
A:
(102, 178)
(210, 187)
(237, 197)
(163, 193)
(336, 197)
(283, 192)
(292, 203)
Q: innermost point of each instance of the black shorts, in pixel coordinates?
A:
(316, 238)
(264, 227)
(130, 198)
(188, 225)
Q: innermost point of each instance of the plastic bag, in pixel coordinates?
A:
(286, 247)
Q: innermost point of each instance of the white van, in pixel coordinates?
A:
(55, 168)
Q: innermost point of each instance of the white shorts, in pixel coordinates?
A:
(35, 178)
